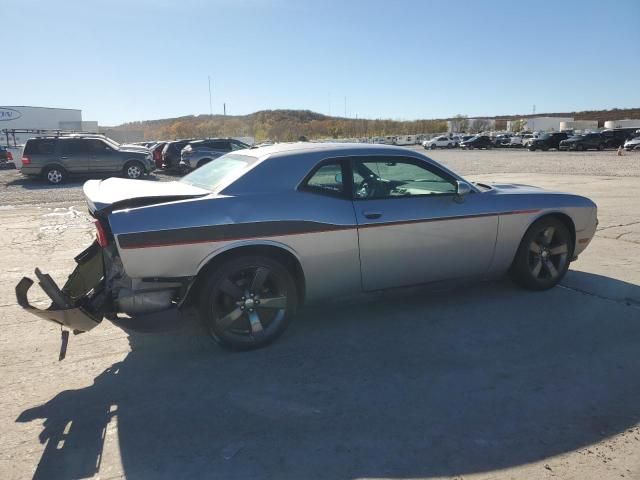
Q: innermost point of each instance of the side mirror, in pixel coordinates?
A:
(463, 188)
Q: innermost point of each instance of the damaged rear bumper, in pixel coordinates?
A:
(79, 305)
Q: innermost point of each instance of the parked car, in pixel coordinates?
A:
(171, 153)
(265, 229)
(442, 141)
(502, 140)
(547, 141)
(589, 141)
(201, 152)
(478, 141)
(617, 137)
(528, 138)
(56, 158)
(156, 153)
(5, 155)
(632, 144)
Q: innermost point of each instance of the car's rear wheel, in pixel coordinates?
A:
(543, 257)
(133, 170)
(600, 147)
(247, 302)
(580, 147)
(55, 175)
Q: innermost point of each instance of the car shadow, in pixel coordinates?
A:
(407, 383)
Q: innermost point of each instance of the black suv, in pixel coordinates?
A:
(55, 158)
(616, 137)
(589, 141)
(171, 153)
(547, 141)
(479, 141)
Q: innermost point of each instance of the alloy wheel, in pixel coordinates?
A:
(250, 304)
(54, 176)
(548, 254)
(134, 171)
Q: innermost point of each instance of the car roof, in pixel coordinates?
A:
(286, 164)
(325, 147)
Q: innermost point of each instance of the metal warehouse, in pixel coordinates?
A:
(38, 118)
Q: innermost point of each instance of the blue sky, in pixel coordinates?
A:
(145, 59)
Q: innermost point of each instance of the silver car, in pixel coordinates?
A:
(200, 152)
(250, 237)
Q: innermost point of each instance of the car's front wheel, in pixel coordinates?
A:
(134, 170)
(543, 257)
(247, 302)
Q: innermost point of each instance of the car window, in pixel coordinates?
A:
(392, 178)
(327, 179)
(98, 146)
(42, 147)
(73, 146)
(214, 174)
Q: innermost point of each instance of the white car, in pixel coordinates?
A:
(632, 143)
(440, 142)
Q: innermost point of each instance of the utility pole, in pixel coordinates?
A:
(345, 107)
(210, 104)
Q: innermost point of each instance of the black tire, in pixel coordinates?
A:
(233, 301)
(532, 149)
(449, 145)
(55, 175)
(580, 148)
(433, 146)
(133, 170)
(600, 147)
(544, 254)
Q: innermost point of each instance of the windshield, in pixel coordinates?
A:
(215, 173)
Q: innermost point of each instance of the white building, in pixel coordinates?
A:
(582, 125)
(39, 118)
(622, 124)
(541, 124)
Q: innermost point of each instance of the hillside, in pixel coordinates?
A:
(289, 125)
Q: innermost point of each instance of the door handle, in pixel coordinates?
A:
(372, 215)
(63, 158)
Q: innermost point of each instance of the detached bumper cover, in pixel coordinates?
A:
(78, 305)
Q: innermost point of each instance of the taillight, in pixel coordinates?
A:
(101, 235)
(26, 160)
(9, 157)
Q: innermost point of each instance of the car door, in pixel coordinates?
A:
(73, 155)
(413, 227)
(102, 158)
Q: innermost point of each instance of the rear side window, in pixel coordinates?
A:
(74, 146)
(42, 147)
(328, 179)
